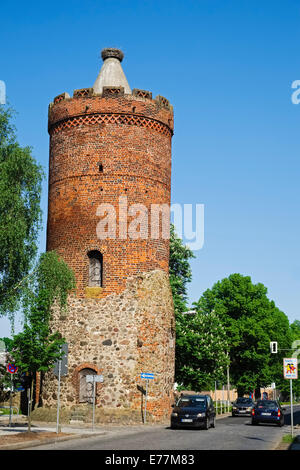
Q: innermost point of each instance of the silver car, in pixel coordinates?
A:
(242, 406)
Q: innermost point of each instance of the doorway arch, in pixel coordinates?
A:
(84, 389)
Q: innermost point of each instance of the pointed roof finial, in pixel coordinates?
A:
(111, 73)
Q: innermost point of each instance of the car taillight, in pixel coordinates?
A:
(253, 412)
(279, 412)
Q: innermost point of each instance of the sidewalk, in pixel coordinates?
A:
(41, 433)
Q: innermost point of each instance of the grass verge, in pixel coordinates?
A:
(288, 439)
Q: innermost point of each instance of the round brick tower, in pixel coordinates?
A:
(108, 214)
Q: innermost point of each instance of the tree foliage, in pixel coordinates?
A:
(199, 338)
(20, 213)
(295, 330)
(250, 321)
(36, 348)
(179, 270)
(201, 356)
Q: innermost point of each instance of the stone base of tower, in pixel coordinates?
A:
(119, 337)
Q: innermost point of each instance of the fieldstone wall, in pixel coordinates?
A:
(120, 336)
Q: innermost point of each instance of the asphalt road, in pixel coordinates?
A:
(229, 434)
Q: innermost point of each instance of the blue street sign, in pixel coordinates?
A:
(146, 375)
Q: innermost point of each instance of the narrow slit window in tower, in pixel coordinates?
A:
(95, 268)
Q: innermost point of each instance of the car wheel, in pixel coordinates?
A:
(206, 424)
(254, 422)
(213, 424)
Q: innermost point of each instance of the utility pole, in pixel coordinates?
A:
(60, 370)
(58, 396)
(228, 387)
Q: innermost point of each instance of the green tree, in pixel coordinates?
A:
(20, 213)
(201, 356)
(179, 270)
(200, 344)
(7, 379)
(295, 330)
(36, 348)
(250, 321)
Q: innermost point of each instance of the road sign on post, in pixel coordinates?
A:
(62, 363)
(60, 368)
(148, 376)
(11, 368)
(94, 379)
(290, 371)
(290, 368)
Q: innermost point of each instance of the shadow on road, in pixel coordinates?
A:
(187, 428)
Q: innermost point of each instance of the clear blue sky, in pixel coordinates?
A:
(227, 68)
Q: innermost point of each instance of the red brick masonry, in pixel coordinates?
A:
(103, 147)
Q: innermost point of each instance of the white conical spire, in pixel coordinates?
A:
(111, 73)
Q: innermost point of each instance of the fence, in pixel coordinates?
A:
(222, 406)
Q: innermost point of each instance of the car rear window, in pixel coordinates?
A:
(267, 404)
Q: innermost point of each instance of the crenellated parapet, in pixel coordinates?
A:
(86, 107)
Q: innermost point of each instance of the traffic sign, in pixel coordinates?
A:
(61, 365)
(60, 369)
(290, 368)
(94, 378)
(147, 375)
(11, 368)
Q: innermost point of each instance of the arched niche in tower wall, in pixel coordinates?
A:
(85, 388)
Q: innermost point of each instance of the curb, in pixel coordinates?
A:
(223, 415)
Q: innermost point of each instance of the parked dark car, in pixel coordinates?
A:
(268, 411)
(242, 406)
(195, 411)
